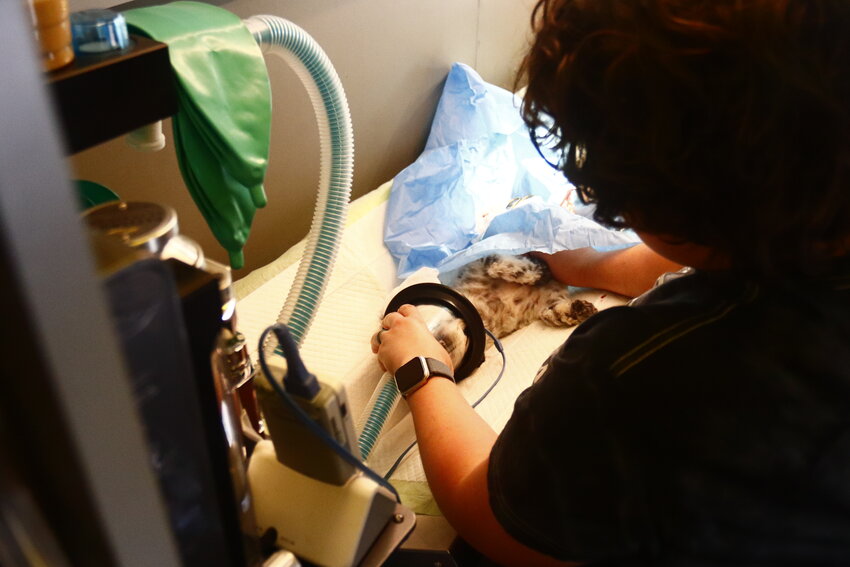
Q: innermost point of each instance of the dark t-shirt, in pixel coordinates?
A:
(708, 425)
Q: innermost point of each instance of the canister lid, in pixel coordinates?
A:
(146, 225)
(99, 31)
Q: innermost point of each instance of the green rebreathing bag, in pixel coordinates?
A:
(222, 126)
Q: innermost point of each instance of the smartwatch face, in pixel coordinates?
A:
(410, 374)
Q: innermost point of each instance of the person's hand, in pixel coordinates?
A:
(568, 266)
(403, 336)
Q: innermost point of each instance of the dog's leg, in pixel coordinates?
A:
(524, 270)
(567, 312)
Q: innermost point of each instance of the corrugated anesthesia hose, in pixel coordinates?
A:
(308, 60)
(384, 401)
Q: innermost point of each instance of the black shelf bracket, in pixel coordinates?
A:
(100, 97)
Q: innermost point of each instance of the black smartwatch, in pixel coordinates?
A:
(416, 372)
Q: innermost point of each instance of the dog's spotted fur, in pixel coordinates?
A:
(510, 292)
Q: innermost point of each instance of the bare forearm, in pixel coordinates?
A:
(629, 271)
(455, 444)
(452, 437)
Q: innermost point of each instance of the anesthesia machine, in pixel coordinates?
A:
(242, 487)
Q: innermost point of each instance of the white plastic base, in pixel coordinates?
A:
(332, 526)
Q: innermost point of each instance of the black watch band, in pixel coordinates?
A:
(416, 372)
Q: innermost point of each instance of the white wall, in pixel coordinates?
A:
(392, 57)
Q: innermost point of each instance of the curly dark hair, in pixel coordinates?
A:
(720, 122)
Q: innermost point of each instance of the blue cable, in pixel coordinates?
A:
(486, 393)
(287, 344)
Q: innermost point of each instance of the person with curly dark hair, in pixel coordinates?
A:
(707, 423)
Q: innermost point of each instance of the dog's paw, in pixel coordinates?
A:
(567, 313)
(450, 334)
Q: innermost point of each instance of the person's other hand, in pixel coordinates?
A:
(403, 336)
(567, 265)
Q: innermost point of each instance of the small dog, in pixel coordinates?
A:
(512, 291)
(509, 293)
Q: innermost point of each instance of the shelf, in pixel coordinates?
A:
(102, 97)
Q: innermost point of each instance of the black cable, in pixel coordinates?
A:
(305, 419)
(497, 343)
(298, 380)
(486, 393)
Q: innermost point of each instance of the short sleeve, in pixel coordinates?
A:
(560, 480)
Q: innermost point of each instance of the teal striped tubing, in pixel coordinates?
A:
(384, 405)
(279, 36)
